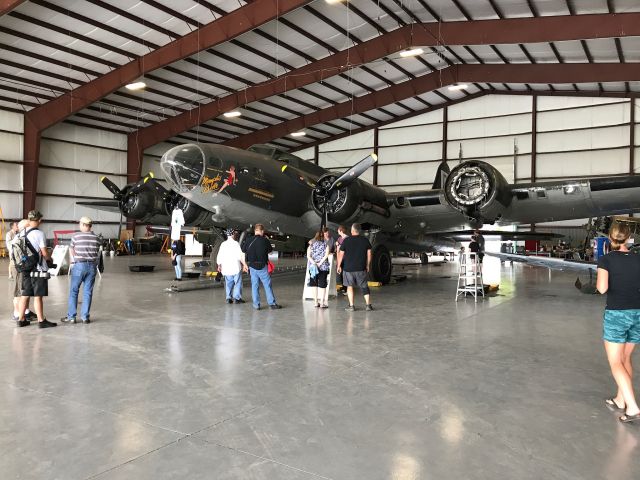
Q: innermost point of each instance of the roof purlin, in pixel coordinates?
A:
(513, 31)
(506, 73)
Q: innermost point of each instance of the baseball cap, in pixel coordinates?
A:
(86, 220)
(34, 215)
(229, 232)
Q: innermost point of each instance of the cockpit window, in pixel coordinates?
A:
(183, 167)
(263, 150)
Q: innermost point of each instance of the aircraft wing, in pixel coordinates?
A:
(547, 262)
(465, 235)
(104, 205)
(476, 194)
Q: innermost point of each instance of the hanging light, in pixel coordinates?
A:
(301, 133)
(135, 86)
(333, 2)
(235, 113)
(411, 53)
(458, 86)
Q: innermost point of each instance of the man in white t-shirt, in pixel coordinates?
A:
(35, 283)
(231, 264)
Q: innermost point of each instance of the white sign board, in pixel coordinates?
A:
(307, 293)
(60, 256)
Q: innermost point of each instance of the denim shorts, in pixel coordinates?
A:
(621, 326)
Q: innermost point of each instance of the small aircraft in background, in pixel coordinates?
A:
(218, 186)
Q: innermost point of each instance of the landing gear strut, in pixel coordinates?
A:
(424, 258)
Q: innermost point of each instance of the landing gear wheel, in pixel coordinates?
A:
(424, 259)
(381, 266)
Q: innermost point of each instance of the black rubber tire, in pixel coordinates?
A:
(424, 258)
(381, 266)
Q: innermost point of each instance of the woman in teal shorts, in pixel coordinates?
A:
(619, 278)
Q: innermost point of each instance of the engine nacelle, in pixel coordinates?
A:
(142, 205)
(479, 191)
(194, 215)
(343, 204)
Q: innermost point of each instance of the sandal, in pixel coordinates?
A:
(324, 306)
(629, 418)
(613, 406)
(317, 304)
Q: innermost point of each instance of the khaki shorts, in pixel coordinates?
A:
(17, 286)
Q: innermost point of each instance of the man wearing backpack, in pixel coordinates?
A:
(17, 287)
(34, 278)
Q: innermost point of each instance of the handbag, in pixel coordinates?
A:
(313, 270)
(270, 267)
(174, 262)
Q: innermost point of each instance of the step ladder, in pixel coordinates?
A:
(470, 276)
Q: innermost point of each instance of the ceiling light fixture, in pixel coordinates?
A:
(233, 114)
(135, 86)
(333, 2)
(298, 134)
(458, 86)
(411, 53)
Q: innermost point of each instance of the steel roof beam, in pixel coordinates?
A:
(510, 73)
(477, 32)
(223, 29)
(235, 23)
(7, 5)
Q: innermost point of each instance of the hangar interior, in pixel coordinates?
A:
(184, 386)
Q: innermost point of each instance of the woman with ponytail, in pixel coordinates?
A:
(619, 278)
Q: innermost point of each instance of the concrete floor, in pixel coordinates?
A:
(167, 386)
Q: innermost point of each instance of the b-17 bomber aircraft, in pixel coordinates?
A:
(218, 186)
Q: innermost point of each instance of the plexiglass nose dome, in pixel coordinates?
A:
(183, 167)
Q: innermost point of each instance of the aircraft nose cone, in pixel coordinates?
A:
(183, 167)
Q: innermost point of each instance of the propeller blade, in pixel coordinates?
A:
(299, 176)
(351, 175)
(159, 188)
(140, 183)
(112, 187)
(441, 175)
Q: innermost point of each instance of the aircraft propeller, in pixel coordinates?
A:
(322, 189)
(149, 179)
(112, 187)
(441, 175)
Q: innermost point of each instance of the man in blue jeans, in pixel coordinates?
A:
(256, 251)
(85, 250)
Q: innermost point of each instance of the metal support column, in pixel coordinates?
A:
(30, 165)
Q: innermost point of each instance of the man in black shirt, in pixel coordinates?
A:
(256, 252)
(355, 260)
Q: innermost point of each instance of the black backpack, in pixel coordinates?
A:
(25, 257)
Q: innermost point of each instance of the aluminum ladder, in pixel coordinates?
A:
(470, 276)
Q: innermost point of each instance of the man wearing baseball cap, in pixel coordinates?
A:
(35, 283)
(85, 251)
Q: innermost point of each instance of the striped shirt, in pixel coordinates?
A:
(86, 247)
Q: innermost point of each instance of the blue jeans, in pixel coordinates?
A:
(233, 284)
(81, 273)
(178, 266)
(257, 277)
